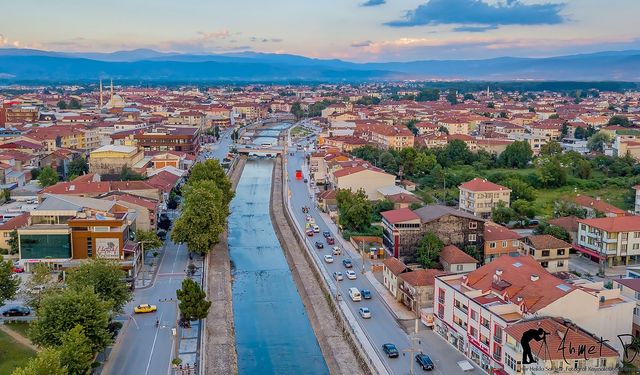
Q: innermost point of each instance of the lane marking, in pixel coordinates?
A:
(155, 338)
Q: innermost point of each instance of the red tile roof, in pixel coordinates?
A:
(614, 224)
(399, 215)
(545, 241)
(496, 232)
(395, 266)
(16, 222)
(478, 184)
(420, 277)
(630, 283)
(164, 181)
(598, 205)
(569, 223)
(451, 254)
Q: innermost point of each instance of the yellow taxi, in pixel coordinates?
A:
(145, 308)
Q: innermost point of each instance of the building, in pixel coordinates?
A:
(595, 207)
(552, 253)
(401, 231)
(415, 288)
(360, 177)
(630, 288)
(453, 227)
(611, 241)
(7, 227)
(474, 310)
(597, 357)
(452, 259)
(391, 269)
(63, 230)
(168, 138)
(499, 241)
(480, 197)
(112, 159)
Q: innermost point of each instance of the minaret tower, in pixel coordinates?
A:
(101, 96)
(111, 98)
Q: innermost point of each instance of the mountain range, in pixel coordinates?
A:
(19, 65)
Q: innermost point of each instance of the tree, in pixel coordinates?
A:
(47, 362)
(75, 351)
(554, 116)
(551, 148)
(60, 312)
(443, 130)
(428, 250)
(469, 97)
(78, 166)
(553, 230)
(428, 95)
(354, 210)
(74, 104)
(9, 281)
(104, 277)
(203, 217)
(40, 278)
(164, 223)
(47, 177)
(551, 173)
(211, 170)
(565, 130)
(149, 239)
(619, 120)
(491, 105)
(523, 208)
(14, 244)
(520, 189)
(296, 110)
(381, 206)
(62, 104)
(127, 174)
(516, 155)
(6, 194)
(452, 97)
(564, 208)
(411, 125)
(172, 203)
(583, 169)
(598, 141)
(455, 152)
(387, 162)
(502, 214)
(579, 133)
(193, 304)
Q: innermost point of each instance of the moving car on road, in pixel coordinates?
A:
(328, 258)
(17, 311)
(351, 275)
(365, 313)
(424, 361)
(337, 275)
(310, 232)
(354, 293)
(366, 294)
(337, 250)
(331, 241)
(316, 229)
(326, 234)
(319, 245)
(390, 350)
(347, 263)
(145, 308)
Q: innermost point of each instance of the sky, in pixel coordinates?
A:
(354, 30)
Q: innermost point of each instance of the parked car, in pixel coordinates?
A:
(145, 308)
(328, 258)
(366, 293)
(17, 269)
(365, 313)
(390, 350)
(319, 245)
(331, 241)
(337, 250)
(351, 275)
(424, 361)
(337, 275)
(326, 234)
(17, 311)
(347, 263)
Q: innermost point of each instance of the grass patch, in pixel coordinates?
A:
(12, 354)
(21, 327)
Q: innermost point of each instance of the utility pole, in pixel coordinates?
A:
(362, 252)
(412, 350)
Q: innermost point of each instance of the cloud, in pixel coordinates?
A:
(365, 43)
(480, 13)
(372, 3)
(475, 29)
(221, 34)
(254, 39)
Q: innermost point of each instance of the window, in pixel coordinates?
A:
(484, 339)
(89, 247)
(560, 251)
(515, 243)
(602, 362)
(484, 321)
(459, 267)
(623, 247)
(544, 264)
(492, 245)
(473, 332)
(625, 236)
(472, 238)
(635, 246)
(580, 364)
(504, 243)
(497, 352)
(474, 315)
(473, 225)
(560, 263)
(441, 295)
(532, 251)
(545, 253)
(510, 362)
(497, 333)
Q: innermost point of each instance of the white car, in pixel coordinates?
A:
(328, 258)
(337, 250)
(316, 229)
(351, 275)
(337, 275)
(365, 313)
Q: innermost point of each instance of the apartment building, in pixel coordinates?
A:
(630, 288)
(551, 252)
(611, 241)
(479, 197)
(391, 137)
(360, 177)
(401, 231)
(474, 310)
(111, 159)
(499, 241)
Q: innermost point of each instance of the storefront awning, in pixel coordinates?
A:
(589, 252)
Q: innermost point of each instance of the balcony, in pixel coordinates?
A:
(463, 309)
(497, 356)
(497, 339)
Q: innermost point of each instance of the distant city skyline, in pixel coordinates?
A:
(354, 30)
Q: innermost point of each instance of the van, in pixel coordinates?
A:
(355, 295)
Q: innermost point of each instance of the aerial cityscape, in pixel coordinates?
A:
(340, 187)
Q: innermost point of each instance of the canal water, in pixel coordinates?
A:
(273, 332)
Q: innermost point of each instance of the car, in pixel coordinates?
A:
(326, 234)
(347, 263)
(305, 180)
(337, 251)
(162, 234)
(328, 258)
(316, 229)
(319, 245)
(145, 308)
(424, 361)
(351, 275)
(331, 241)
(365, 313)
(17, 269)
(17, 311)
(310, 232)
(390, 350)
(354, 294)
(366, 293)
(337, 275)
(308, 218)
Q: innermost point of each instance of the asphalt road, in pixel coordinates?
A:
(381, 327)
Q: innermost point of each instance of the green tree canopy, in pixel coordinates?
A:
(516, 155)
(455, 152)
(74, 104)
(551, 173)
(598, 141)
(41, 278)
(428, 95)
(520, 189)
(551, 148)
(354, 210)
(211, 170)
(554, 230)
(149, 239)
(193, 304)
(62, 104)
(9, 281)
(60, 312)
(296, 110)
(106, 280)
(47, 362)
(75, 351)
(502, 214)
(78, 166)
(47, 177)
(620, 120)
(452, 98)
(428, 250)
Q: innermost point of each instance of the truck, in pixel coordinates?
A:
(299, 174)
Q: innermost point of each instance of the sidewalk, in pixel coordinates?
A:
(147, 274)
(396, 308)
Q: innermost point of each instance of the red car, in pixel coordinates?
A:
(331, 241)
(310, 232)
(18, 269)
